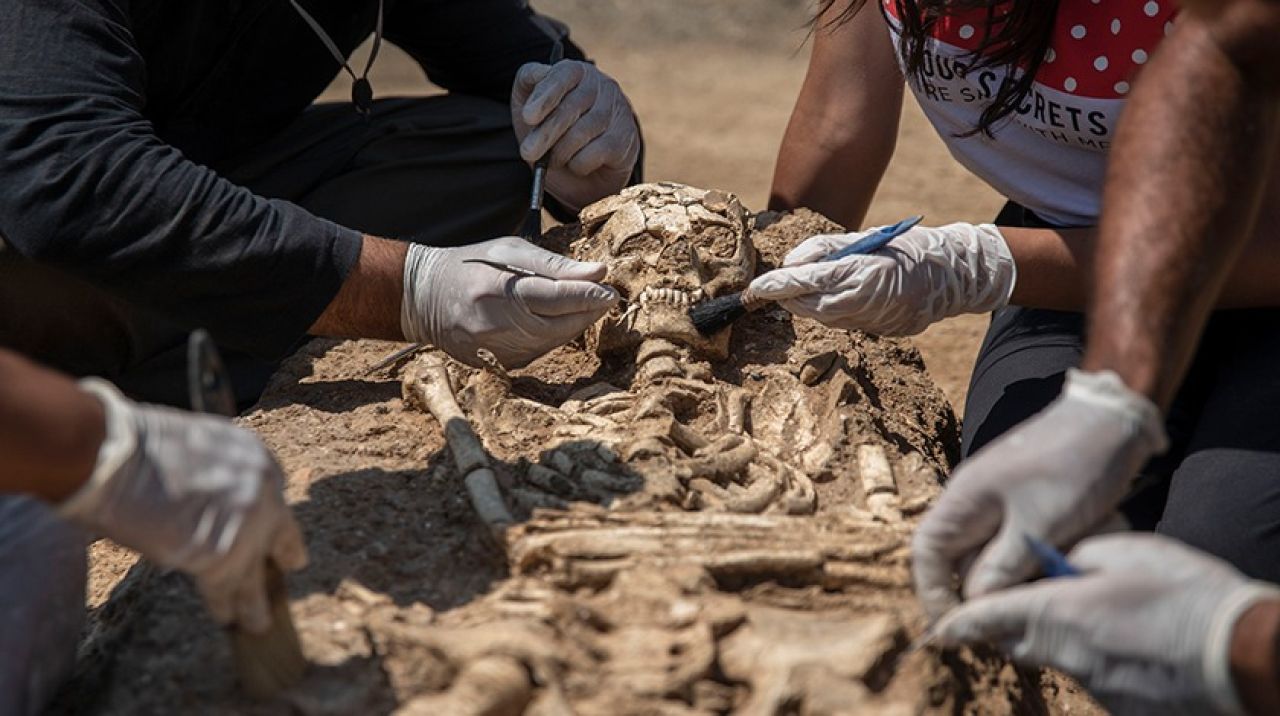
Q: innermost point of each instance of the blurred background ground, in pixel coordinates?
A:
(713, 82)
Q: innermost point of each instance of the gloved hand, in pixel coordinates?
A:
(1057, 477)
(922, 277)
(195, 493)
(1146, 629)
(580, 115)
(460, 307)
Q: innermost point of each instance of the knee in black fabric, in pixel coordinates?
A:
(1019, 371)
(442, 170)
(1227, 503)
(1017, 402)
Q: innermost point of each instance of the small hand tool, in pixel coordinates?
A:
(1053, 563)
(402, 354)
(532, 230)
(517, 270)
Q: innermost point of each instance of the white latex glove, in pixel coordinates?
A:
(1147, 628)
(1057, 477)
(580, 115)
(922, 277)
(194, 493)
(461, 307)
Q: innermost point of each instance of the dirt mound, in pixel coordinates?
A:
(689, 536)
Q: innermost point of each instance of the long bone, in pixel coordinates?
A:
(878, 483)
(488, 686)
(427, 385)
(731, 408)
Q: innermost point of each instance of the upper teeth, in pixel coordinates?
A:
(673, 296)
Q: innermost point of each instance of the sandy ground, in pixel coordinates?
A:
(660, 555)
(713, 82)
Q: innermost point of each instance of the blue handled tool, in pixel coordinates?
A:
(1052, 562)
(876, 240)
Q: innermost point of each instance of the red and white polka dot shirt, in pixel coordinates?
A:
(1050, 155)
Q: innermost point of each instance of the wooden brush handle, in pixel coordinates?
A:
(273, 661)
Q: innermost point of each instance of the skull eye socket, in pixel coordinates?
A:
(721, 242)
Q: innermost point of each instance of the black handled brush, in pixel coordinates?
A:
(532, 230)
(715, 315)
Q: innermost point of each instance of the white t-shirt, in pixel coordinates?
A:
(1050, 155)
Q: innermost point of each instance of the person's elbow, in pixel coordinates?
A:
(1247, 32)
(30, 234)
(1253, 40)
(74, 189)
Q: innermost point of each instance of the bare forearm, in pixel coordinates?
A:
(844, 126)
(1055, 268)
(812, 172)
(1184, 188)
(1255, 658)
(50, 431)
(368, 304)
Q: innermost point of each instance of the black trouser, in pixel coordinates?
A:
(1218, 487)
(439, 170)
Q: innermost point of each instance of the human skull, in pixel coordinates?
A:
(668, 247)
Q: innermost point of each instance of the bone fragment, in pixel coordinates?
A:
(818, 367)
(764, 488)
(732, 405)
(878, 483)
(725, 458)
(770, 563)
(843, 574)
(686, 438)
(874, 468)
(800, 498)
(544, 478)
(916, 506)
(493, 366)
(562, 462)
(817, 460)
(656, 348)
(426, 383)
(595, 391)
(659, 368)
(488, 686)
(536, 500)
(601, 481)
(643, 449)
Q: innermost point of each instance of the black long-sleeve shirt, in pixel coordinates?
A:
(112, 110)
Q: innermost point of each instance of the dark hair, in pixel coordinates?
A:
(1015, 37)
